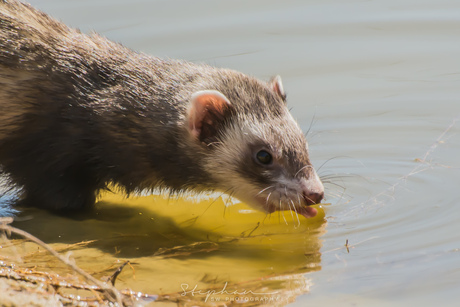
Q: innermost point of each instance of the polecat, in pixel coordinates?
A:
(79, 111)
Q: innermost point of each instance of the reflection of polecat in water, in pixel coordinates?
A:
(79, 111)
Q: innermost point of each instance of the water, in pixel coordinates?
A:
(377, 81)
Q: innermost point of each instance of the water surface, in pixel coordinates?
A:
(375, 83)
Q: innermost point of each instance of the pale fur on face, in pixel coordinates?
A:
(285, 191)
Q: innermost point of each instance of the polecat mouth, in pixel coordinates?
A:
(305, 210)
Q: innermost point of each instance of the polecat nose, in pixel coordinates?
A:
(313, 197)
(313, 189)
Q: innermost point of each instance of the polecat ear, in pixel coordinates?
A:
(277, 86)
(206, 113)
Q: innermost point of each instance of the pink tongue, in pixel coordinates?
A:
(308, 212)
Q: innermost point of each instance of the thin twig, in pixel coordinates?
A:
(422, 166)
(114, 276)
(111, 293)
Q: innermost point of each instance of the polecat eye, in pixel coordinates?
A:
(264, 157)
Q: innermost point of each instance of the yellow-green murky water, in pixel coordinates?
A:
(177, 244)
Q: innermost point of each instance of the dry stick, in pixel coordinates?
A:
(439, 139)
(418, 169)
(114, 276)
(111, 292)
(63, 249)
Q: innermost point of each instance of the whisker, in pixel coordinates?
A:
(342, 187)
(266, 202)
(340, 196)
(308, 198)
(335, 184)
(268, 197)
(215, 199)
(330, 159)
(311, 124)
(332, 194)
(296, 214)
(283, 214)
(341, 176)
(272, 186)
(291, 210)
(302, 169)
(337, 176)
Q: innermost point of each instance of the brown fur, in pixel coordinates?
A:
(79, 112)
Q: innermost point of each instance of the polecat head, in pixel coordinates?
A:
(255, 149)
